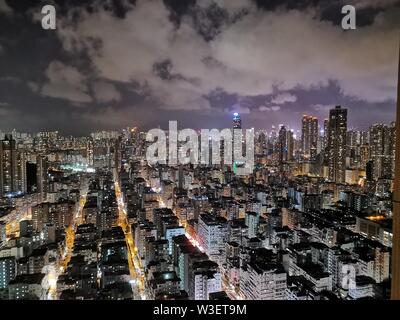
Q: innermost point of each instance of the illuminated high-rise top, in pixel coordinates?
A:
(237, 121)
(337, 133)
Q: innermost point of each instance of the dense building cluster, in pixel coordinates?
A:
(90, 218)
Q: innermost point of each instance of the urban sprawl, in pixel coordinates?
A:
(89, 218)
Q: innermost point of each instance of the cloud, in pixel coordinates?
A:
(275, 108)
(231, 6)
(322, 107)
(65, 82)
(5, 109)
(260, 51)
(10, 79)
(238, 108)
(4, 7)
(371, 3)
(33, 86)
(269, 109)
(105, 92)
(284, 98)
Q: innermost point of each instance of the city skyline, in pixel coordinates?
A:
(274, 128)
(96, 218)
(199, 64)
(207, 150)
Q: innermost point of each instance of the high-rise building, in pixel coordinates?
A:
(90, 154)
(382, 150)
(12, 168)
(237, 121)
(337, 144)
(40, 214)
(25, 228)
(172, 232)
(263, 281)
(283, 145)
(206, 278)
(7, 271)
(27, 286)
(212, 234)
(309, 136)
(326, 133)
(381, 265)
(42, 177)
(353, 149)
(252, 221)
(21, 172)
(290, 145)
(8, 166)
(369, 170)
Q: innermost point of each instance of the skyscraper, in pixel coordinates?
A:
(8, 164)
(382, 150)
(326, 132)
(290, 145)
(237, 121)
(337, 144)
(283, 148)
(21, 174)
(309, 135)
(41, 177)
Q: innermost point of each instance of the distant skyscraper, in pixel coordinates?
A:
(8, 166)
(337, 144)
(41, 177)
(326, 132)
(89, 153)
(21, 172)
(309, 136)
(369, 170)
(382, 140)
(181, 177)
(238, 147)
(237, 121)
(290, 145)
(283, 147)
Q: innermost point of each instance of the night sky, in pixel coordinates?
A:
(118, 63)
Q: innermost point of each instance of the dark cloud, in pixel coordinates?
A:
(119, 62)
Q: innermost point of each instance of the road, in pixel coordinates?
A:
(135, 264)
(135, 268)
(69, 244)
(70, 232)
(229, 289)
(13, 219)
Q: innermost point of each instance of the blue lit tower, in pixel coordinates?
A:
(237, 124)
(237, 121)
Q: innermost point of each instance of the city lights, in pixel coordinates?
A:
(281, 180)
